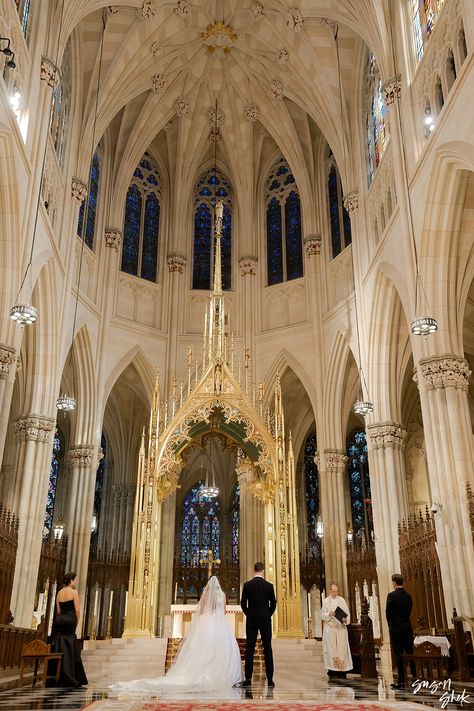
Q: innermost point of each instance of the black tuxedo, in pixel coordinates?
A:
(258, 604)
(398, 611)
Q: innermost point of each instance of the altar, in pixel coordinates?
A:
(182, 615)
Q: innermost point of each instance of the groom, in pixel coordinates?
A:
(258, 604)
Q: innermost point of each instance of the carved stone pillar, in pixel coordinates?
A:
(389, 494)
(176, 267)
(248, 266)
(34, 435)
(7, 369)
(83, 469)
(130, 500)
(332, 471)
(168, 533)
(443, 384)
(251, 533)
(117, 500)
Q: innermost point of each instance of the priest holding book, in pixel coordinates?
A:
(335, 616)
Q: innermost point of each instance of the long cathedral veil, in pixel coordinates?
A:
(212, 598)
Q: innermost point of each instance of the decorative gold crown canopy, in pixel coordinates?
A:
(219, 36)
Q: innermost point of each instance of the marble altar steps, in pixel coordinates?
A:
(107, 661)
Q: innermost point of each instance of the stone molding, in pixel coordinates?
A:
(294, 20)
(81, 455)
(385, 435)
(392, 90)
(248, 265)
(176, 263)
(7, 358)
(252, 113)
(113, 238)
(78, 190)
(445, 371)
(158, 83)
(33, 428)
(312, 245)
(147, 11)
(351, 201)
(47, 71)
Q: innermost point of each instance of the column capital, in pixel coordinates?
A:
(80, 455)
(336, 461)
(147, 11)
(78, 190)
(392, 90)
(351, 200)
(113, 237)
(111, 10)
(445, 371)
(48, 71)
(176, 263)
(248, 265)
(33, 428)
(384, 435)
(312, 245)
(244, 473)
(7, 358)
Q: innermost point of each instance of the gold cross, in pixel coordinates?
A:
(210, 560)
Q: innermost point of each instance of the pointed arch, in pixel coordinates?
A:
(136, 357)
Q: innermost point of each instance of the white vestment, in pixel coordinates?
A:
(336, 650)
(208, 659)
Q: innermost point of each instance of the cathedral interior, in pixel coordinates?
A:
(237, 323)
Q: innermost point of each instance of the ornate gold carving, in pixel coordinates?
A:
(219, 36)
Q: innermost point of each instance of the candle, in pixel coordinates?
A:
(95, 602)
(175, 592)
(110, 602)
(126, 603)
(309, 604)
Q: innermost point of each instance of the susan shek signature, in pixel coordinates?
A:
(448, 695)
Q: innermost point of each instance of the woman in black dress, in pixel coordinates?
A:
(64, 634)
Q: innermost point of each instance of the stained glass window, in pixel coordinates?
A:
(312, 495)
(423, 16)
(283, 226)
(376, 131)
(53, 483)
(99, 480)
(339, 220)
(235, 525)
(88, 209)
(23, 9)
(200, 527)
(211, 186)
(61, 105)
(142, 222)
(359, 484)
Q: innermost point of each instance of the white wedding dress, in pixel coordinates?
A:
(208, 659)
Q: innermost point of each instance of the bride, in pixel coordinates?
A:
(209, 657)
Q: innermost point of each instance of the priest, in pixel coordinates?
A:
(335, 616)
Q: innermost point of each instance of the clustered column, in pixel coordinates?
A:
(331, 472)
(443, 383)
(251, 534)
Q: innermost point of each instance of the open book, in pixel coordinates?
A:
(340, 614)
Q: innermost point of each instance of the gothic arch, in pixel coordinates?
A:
(285, 360)
(333, 415)
(137, 357)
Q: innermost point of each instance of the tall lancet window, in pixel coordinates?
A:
(375, 127)
(235, 525)
(23, 9)
(283, 225)
(423, 16)
(359, 485)
(312, 495)
(211, 186)
(142, 222)
(200, 527)
(61, 105)
(99, 485)
(56, 459)
(339, 220)
(88, 210)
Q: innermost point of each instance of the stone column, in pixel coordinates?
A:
(7, 368)
(176, 265)
(248, 271)
(83, 463)
(332, 471)
(443, 383)
(251, 523)
(168, 533)
(389, 494)
(129, 504)
(116, 502)
(34, 434)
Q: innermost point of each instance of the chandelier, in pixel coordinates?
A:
(65, 403)
(210, 491)
(23, 314)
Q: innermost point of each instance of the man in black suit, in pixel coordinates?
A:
(258, 604)
(398, 611)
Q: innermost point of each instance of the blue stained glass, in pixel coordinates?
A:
(282, 170)
(202, 247)
(347, 226)
(334, 212)
(150, 238)
(152, 180)
(138, 174)
(92, 198)
(416, 27)
(294, 252)
(205, 191)
(131, 232)
(359, 484)
(99, 480)
(289, 179)
(216, 537)
(80, 219)
(226, 248)
(52, 485)
(145, 164)
(274, 242)
(200, 527)
(222, 192)
(214, 180)
(274, 185)
(312, 494)
(235, 525)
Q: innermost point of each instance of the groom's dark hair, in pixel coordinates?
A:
(258, 567)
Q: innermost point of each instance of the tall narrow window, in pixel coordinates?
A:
(376, 133)
(142, 222)
(283, 226)
(23, 9)
(212, 186)
(200, 527)
(88, 209)
(235, 525)
(423, 16)
(339, 220)
(53, 483)
(99, 484)
(312, 495)
(359, 485)
(61, 105)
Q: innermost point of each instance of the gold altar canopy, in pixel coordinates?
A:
(218, 394)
